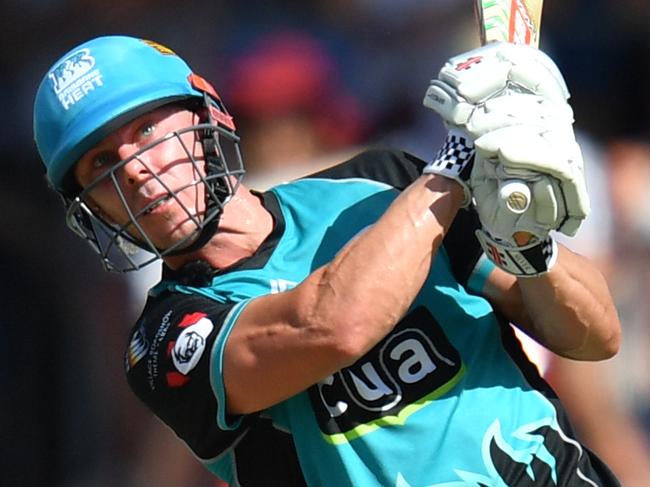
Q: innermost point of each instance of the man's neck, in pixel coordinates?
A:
(244, 224)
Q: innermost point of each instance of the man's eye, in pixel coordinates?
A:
(103, 160)
(147, 129)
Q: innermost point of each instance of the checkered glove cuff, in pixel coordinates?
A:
(454, 160)
(527, 261)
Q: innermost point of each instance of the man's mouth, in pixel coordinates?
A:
(156, 203)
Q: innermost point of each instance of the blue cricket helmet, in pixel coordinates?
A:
(97, 87)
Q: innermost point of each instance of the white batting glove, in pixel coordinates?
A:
(466, 82)
(502, 227)
(549, 161)
(469, 97)
(544, 213)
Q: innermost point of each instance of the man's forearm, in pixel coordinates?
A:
(374, 279)
(570, 309)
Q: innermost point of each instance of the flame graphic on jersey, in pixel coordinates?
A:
(533, 466)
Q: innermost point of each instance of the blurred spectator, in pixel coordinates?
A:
(289, 102)
(401, 47)
(629, 173)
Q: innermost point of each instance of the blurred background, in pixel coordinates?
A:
(309, 83)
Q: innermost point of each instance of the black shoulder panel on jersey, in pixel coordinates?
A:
(395, 168)
(167, 363)
(266, 453)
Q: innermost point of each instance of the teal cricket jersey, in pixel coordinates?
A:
(446, 399)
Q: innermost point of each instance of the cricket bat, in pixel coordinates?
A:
(516, 21)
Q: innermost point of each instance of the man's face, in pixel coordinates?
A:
(158, 186)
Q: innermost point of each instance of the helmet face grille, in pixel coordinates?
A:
(126, 247)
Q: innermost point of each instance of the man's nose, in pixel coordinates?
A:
(136, 168)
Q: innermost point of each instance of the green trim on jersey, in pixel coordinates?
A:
(400, 419)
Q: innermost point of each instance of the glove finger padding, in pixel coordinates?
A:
(489, 71)
(483, 72)
(443, 99)
(548, 210)
(577, 203)
(533, 148)
(517, 109)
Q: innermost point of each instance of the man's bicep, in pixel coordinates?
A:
(274, 351)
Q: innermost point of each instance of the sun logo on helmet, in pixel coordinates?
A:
(159, 47)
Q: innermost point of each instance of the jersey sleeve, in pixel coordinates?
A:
(169, 365)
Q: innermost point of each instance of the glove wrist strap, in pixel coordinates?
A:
(529, 260)
(454, 160)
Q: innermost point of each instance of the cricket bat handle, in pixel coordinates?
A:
(516, 21)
